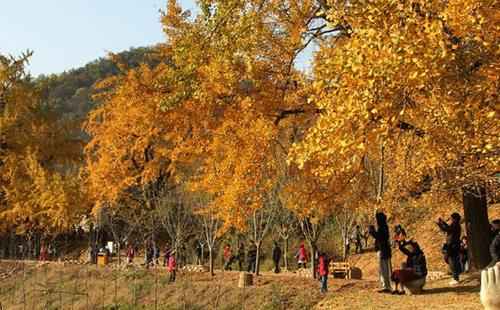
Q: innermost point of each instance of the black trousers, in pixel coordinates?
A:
(455, 266)
(276, 266)
(172, 275)
(359, 247)
(251, 266)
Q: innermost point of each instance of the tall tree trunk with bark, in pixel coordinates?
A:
(477, 227)
(314, 265)
(257, 259)
(285, 254)
(211, 258)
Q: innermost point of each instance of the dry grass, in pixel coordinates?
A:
(67, 287)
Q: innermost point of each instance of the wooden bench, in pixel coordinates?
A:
(341, 268)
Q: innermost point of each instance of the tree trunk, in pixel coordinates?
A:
(344, 248)
(380, 188)
(202, 254)
(477, 227)
(257, 260)
(118, 248)
(285, 257)
(314, 267)
(211, 263)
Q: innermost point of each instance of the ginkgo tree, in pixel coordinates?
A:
(401, 100)
(420, 72)
(39, 187)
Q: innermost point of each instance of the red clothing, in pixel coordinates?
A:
(130, 251)
(227, 253)
(403, 276)
(171, 263)
(43, 254)
(323, 264)
(303, 252)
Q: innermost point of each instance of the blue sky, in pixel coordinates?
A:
(66, 34)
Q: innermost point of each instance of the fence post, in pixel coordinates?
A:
(34, 287)
(87, 287)
(115, 297)
(135, 290)
(103, 289)
(156, 287)
(24, 290)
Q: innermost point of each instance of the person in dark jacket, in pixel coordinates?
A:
(451, 248)
(198, 250)
(356, 236)
(495, 245)
(383, 249)
(323, 264)
(252, 257)
(149, 255)
(276, 257)
(240, 256)
(157, 253)
(414, 269)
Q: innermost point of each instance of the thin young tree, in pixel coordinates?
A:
(210, 226)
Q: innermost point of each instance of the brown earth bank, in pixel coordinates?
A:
(59, 286)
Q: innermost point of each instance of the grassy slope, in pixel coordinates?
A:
(52, 286)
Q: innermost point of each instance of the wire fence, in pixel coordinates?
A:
(74, 286)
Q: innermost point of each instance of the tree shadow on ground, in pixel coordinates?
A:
(462, 289)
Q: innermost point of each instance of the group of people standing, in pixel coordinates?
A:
(231, 256)
(50, 252)
(153, 255)
(454, 251)
(415, 267)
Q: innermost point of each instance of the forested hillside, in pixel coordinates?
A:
(70, 92)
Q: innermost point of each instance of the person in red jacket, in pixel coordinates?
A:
(130, 254)
(171, 266)
(323, 264)
(43, 254)
(302, 255)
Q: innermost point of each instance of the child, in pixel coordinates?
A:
(130, 254)
(302, 255)
(171, 266)
(323, 264)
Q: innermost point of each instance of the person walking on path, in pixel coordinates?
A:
(228, 257)
(276, 257)
(451, 248)
(157, 253)
(240, 254)
(43, 254)
(414, 269)
(356, 236)
(323, 264)
(199, 252)
(383, 250)
(171, 266)
(130, 253)
(302, 256)
(495, 244)
(252, 257)
(136, 246)
(149, 255)
(165, 255)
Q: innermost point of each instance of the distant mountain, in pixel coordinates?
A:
(70, 93)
